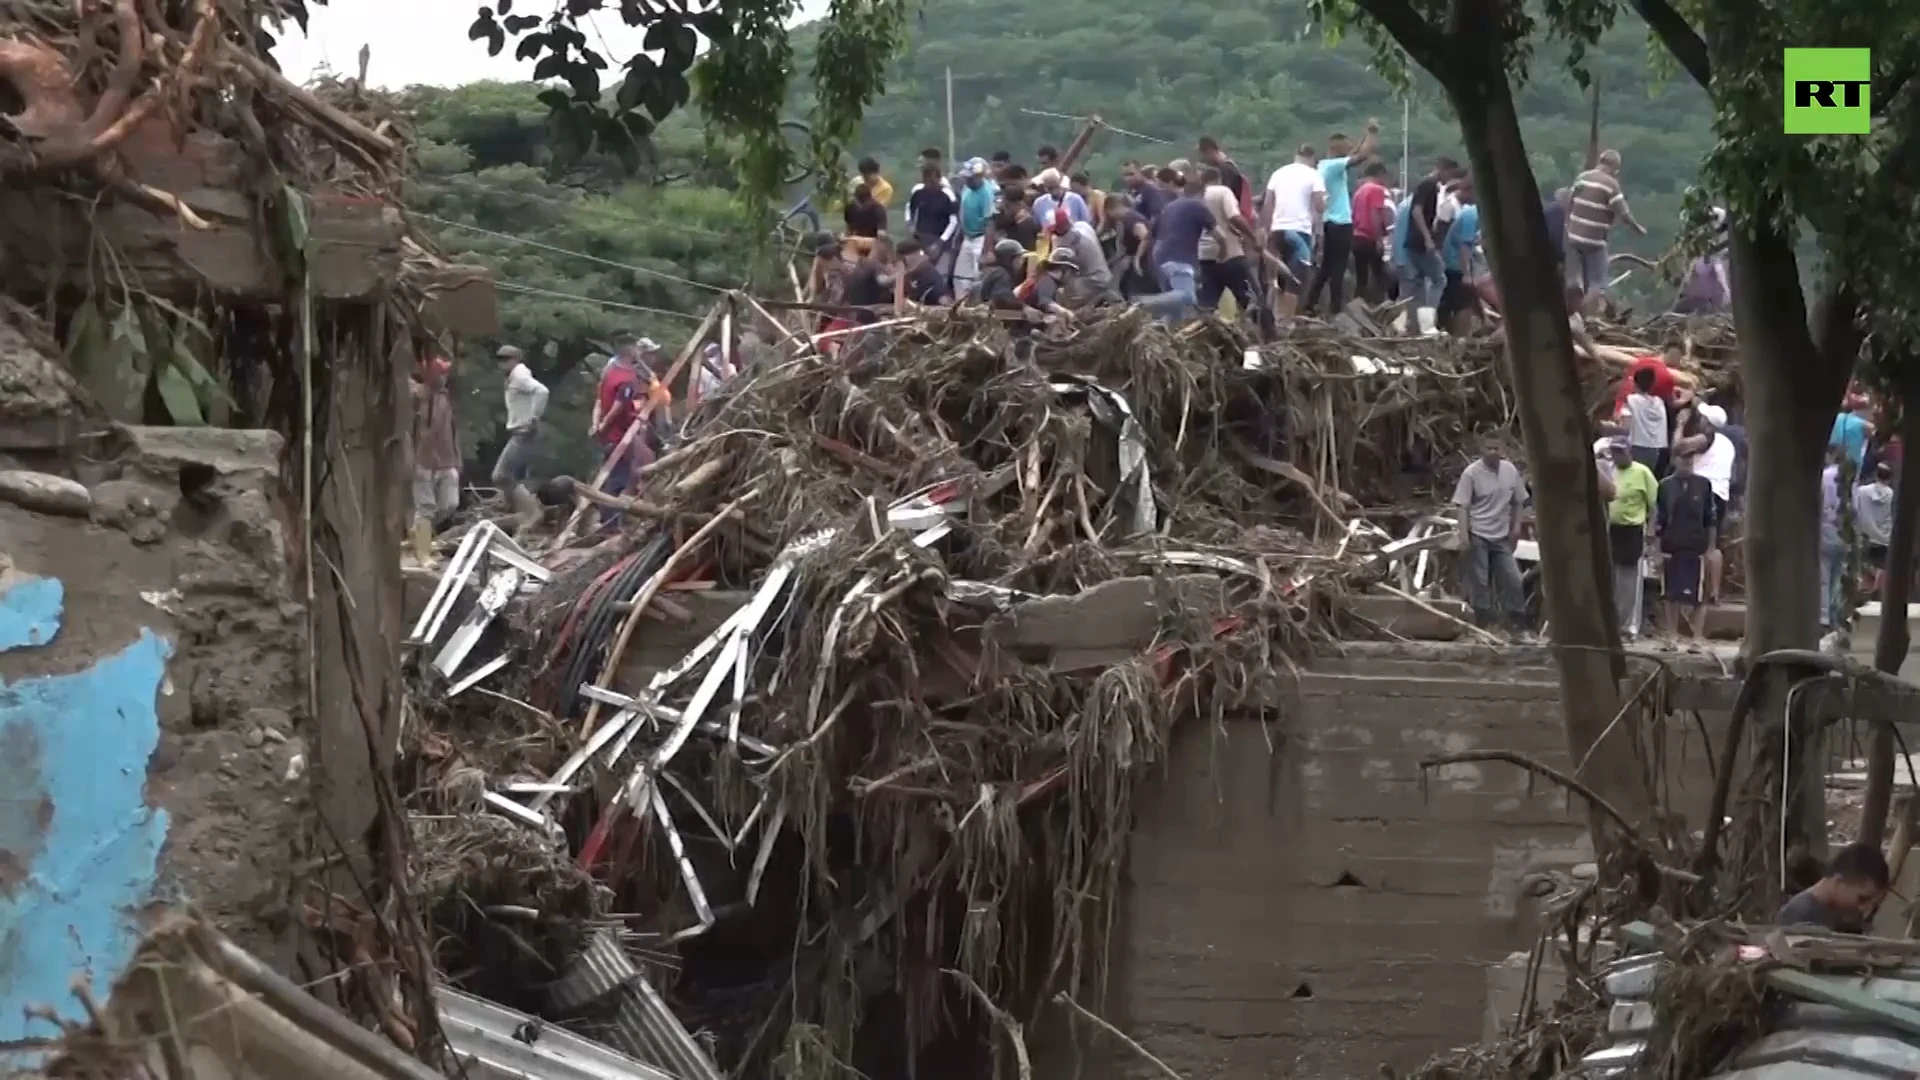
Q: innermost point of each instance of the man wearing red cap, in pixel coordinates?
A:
(436, 454)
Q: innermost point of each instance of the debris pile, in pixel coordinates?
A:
(851, 717)
(940, 607)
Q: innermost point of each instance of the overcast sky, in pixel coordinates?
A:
(418, 42)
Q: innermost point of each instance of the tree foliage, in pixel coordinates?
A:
(615, 253)
(732, 57)
(1855, 195)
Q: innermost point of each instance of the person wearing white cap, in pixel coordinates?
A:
(976, 218)
(1054, 193)
(713, 372)
(1715, 457)
(1632, 494)
(526, 401)
(625, 383)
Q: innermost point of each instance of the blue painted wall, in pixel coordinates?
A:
(79, 846)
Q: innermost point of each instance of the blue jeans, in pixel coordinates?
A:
(1296, 249)
(1833, 586)
(618, 477)
(1492, 581)
(1183, 292)
(1421, 278)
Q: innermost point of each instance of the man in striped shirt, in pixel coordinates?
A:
(1595, 203)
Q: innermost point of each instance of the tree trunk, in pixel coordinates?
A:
(1576, 571)
(1890, 647)
(1792, 385)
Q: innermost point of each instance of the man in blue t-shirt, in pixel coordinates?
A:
(1400, 255)
(1336, 234)
(976, 213)
(1459, 301)
(1176, 248)
(1851, 433)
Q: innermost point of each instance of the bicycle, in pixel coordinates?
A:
(797, 224)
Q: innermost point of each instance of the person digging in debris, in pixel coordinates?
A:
(925, 284)
(526, 400)
(1847, 897)
(1632, 493)
(1046, 290)
(1489, 499)
(1688, 522)
(436, 455)
(1000, 281)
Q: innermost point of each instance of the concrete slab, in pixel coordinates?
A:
(1397, 616)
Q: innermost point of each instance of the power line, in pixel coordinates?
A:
(512, 286)
(510, 238)
(612, 210)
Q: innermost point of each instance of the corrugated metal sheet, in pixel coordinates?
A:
(1813, 1042)
(484, 1035)
(643, 1025)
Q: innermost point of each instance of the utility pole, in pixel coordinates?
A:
(950, 147)
(1406, 126)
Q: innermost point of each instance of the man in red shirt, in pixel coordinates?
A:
(1372, 220)
(623, 386)
(1663, 381)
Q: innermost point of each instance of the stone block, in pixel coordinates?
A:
(1408, 620)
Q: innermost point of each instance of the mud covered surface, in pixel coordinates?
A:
(182, 538)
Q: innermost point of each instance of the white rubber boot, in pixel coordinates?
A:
(1427, 327)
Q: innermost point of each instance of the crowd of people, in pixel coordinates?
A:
(632, 394)
(1047, 246)
(1672, 470)
(1672, 473)
(1327, 225)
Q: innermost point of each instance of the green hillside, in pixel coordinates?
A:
(1262, 79)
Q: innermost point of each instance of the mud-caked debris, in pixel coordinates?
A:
(45, 493)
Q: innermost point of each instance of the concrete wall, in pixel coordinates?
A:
(149, 689)
(1317, 910)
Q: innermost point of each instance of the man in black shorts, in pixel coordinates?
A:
(1689, 518)
(1873, 521)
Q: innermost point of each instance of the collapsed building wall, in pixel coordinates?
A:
(1305, 902)
(150, 661)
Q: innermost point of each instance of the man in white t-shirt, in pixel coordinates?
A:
(1715, 462)
(1296, 200)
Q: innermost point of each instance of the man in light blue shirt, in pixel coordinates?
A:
(1401, 257)
(1459, 300)
(1851, 433)
(1054, 194)
(976, 212)
(1336, 232)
